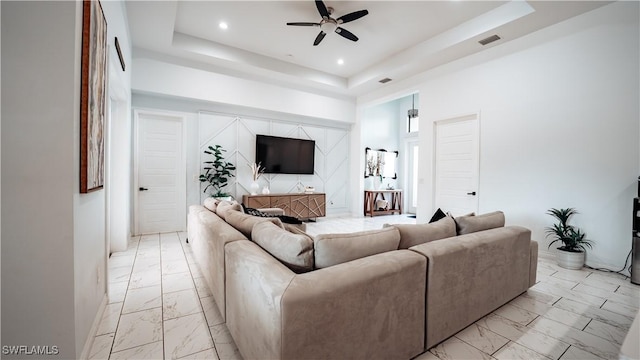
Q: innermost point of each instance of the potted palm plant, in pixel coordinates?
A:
(571, 254)
(217, 172)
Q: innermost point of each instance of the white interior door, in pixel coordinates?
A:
(457, 165)
(160, 187)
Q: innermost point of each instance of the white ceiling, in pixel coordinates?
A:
(397, 38)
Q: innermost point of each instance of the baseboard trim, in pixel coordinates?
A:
(550, 255)
(94, 328)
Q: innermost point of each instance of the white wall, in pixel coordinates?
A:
(0, 184)
(39, 110)
(192, 83)
(235, 127)
(55, 266)
(559, 126)
(382, 132)
(90, 241)
(120, 129)
(382, 125)
(183, 87)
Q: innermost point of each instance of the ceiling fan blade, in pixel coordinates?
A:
(303, 24)
(346, 34)
(322, 9)
(319, 38)
(352, 16)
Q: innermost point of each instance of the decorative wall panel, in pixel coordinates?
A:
(237, 135)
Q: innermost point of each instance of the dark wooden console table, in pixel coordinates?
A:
(302, 206)
(395, 202)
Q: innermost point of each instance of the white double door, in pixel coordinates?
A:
(457, 165)
(160, 180)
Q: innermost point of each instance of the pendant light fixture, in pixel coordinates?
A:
(413, 112)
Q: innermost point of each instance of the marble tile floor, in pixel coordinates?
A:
(160, 308)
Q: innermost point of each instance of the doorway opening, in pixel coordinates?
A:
(160, 173)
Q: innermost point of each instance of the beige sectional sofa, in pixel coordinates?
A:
(388, 293)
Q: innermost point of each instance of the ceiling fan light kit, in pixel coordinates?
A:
(329, 24)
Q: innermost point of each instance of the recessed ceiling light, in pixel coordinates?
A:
(340, 61)
(223, 25)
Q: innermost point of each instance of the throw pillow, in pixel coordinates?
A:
(211, 203)
(439, 214)
(225, 206)
(416, 234)
(333, 249)
(469, 224)
(244, 223)
(293, 250)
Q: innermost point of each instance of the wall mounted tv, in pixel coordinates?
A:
(280, 155)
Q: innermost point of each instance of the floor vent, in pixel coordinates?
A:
(384, 81)
(489, 40)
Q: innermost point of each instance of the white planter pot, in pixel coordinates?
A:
(570, 260)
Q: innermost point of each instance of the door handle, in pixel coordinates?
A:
(143, 189)
(473, 193)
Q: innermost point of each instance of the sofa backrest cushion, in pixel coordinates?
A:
(211, 203)
(293, 250)
(469, 224)
(244, 223)
(333, 249)
(225, 206)
(416, 234)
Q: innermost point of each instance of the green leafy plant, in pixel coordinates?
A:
(217, 172)
(572, 238)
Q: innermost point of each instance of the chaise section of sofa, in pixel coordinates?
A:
(368, 308)
(208, 235)
(471, 275)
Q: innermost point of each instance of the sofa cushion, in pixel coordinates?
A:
(244, 223)
(416, 234)
(469, 224)
(211, 203)
(225, 206)
(293, 250)
(333, 249)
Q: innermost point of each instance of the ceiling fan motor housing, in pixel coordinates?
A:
(328, 26)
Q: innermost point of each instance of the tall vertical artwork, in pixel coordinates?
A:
(93, 96)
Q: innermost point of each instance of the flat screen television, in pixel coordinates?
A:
(280, 155)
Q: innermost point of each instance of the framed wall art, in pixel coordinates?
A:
(93, 96)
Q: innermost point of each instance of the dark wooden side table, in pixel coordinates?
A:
(395, 202)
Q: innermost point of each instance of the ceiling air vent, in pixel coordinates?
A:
(384, 81)
(489, 40)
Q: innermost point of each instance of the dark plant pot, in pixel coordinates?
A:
(570, 260)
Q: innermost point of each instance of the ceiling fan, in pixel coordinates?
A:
(329, 24)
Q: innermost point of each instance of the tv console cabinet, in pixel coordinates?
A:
(301, 206)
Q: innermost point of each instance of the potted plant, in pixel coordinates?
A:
(217, 172)
(574, 242)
